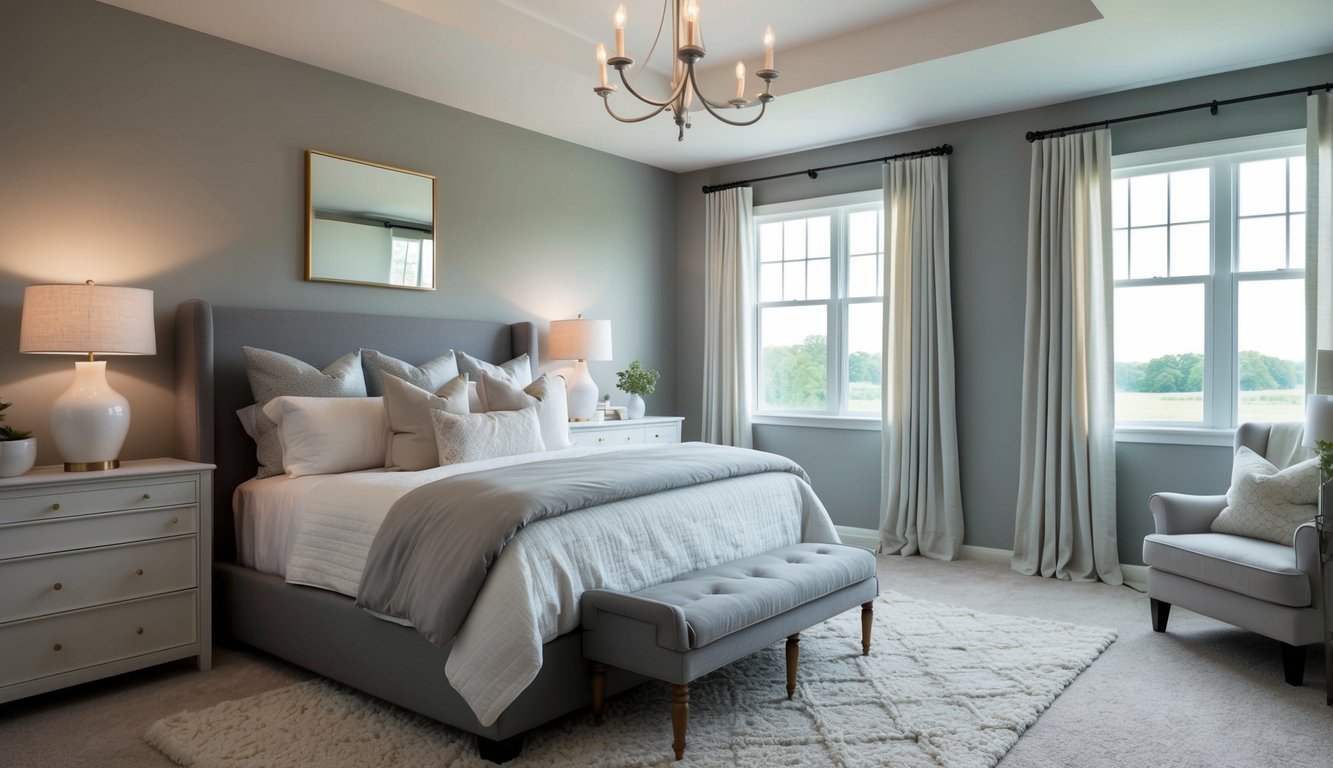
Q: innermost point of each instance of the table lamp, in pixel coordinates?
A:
(90, 420)
(581, 340)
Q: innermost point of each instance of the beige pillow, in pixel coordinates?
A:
(1267, 503)
(546, 394)
(407, 410)
(477, 436)
(517, 371)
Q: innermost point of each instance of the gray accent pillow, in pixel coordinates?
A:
(477, 436)
(517, 371)
(407, 408)
(428, 376)
(546, 395)
(1267, 503)
(273, 374)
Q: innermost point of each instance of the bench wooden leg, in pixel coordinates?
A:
(867, 621)
(598, 691)
(680, 717)
(793, 659)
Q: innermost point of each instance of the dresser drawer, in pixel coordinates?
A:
(62, 533)
(606, 438)
(662, 433)
(35, 586)
(50, 503)
(79, 639)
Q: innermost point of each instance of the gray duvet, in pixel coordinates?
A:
(431, 554)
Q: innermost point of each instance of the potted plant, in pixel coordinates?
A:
(18, 449)
(637, 381)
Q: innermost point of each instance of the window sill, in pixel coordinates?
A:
(1176, 436)
(817, 422)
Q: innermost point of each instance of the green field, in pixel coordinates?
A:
(1259, 405)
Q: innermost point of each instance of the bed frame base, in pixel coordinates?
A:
(499, 751)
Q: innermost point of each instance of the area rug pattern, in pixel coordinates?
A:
(942, 686)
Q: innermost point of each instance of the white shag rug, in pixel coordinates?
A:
(942, 686)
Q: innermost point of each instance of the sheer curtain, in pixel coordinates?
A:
(921, 508)
(729, 267)
(1318, 229)
(1065, 523)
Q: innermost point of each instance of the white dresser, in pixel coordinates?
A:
(649, 429)
(103, 572)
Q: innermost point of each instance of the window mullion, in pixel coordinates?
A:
(1221, 301)
(837, 336)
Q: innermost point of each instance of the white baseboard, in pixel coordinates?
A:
(1135, 576)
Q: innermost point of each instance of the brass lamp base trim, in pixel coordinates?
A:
(578, 421)
(91, 466)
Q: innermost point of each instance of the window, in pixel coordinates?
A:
(819, 316)
(411, 258)
(1208, 251)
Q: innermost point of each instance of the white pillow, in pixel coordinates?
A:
(473, 398)
(328, 435)
(411, 432)
(1267, 503)
(477, 436)
(273, 374)
(517, 371)
(546, 395)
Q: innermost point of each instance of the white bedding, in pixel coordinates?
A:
(531, 594)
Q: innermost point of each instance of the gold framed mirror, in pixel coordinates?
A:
(368, 223)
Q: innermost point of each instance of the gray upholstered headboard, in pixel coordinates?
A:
(211, 383)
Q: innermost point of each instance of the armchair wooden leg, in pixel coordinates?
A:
(1160, 613)
(793, 659)
(867, 621)
(598, 691)
(680, 717)
(1293, 664)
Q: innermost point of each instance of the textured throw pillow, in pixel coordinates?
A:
(273, 375)
(328, 435)
(1267, 503)
(517, 371)
(478, 436)
(411, 431)
(546, 395)
(428, 376)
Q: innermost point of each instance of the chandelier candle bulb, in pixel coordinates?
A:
(692, 22)
(740, 80)
(768, 47)
(620, 18)
(601, 62)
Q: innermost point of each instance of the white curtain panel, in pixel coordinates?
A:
(921, 509)
(1318, 229)
(728, 291)
(1065, 523)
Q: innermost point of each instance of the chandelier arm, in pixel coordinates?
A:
(740, 124)
(675, 93)
(607, 103)
(694, 85)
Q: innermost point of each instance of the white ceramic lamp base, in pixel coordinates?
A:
(582, 392)
(90, 421)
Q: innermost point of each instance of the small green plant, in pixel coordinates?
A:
(637, 380)
(7, 432)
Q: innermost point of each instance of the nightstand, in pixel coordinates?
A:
(103, 572)
(649, 429)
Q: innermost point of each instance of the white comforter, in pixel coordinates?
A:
(532, 593)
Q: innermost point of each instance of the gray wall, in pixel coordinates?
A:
(138, 153)
(988, 235)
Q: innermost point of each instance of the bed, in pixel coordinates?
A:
(319, 629)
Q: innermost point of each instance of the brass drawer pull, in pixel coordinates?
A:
(55, 507)
(56, 647)
(57, 586)
(601, 439)
(175, 520)
(656, 436)
(138, 631)
(138, 571)
(147, 496)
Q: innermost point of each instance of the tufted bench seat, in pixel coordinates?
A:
(685, 628)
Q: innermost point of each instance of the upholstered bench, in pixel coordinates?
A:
(708, 618)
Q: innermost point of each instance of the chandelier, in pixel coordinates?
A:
(687, 42)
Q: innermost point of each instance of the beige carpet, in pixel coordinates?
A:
(943, 685)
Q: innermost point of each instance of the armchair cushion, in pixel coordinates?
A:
(1259, 569)
(1265, 502)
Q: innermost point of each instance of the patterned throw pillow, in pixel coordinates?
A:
(273, 374)
(517, 371)
(1267, 503)
(477, 436)
(546, 394)
(428, 376)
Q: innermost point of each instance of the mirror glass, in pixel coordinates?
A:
(369, 223)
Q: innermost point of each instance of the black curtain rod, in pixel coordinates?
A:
(1211, 106)
(943, 149)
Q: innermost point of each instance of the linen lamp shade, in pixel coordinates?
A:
(1318, 420)
(90, 420)
(581, 340)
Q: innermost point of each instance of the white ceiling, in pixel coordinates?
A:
(851, 69)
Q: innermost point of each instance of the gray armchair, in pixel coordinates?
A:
(1268, 588)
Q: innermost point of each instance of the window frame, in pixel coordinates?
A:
(839, 208)
(1221, 320)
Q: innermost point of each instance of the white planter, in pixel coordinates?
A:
(636, 407)
(17, 456)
